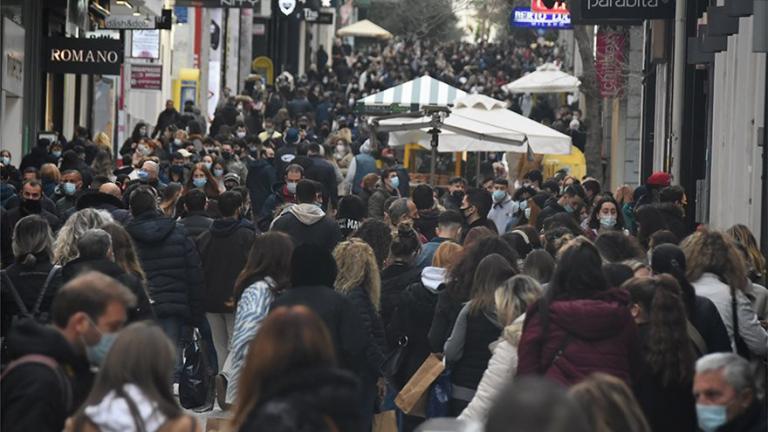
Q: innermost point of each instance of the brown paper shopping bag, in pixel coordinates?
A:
(385, 422)
(412, 399)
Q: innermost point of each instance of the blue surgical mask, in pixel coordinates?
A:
(607, 221)
(5, 160)
(143, 175)
(523, 205)
(199, 181)
(207, 165)
(527, 213)
(177, 142)
(97, 353)
(498, 196)
(69, 188)
(218, 172)
(711, 417)
(56, 154)
(395, 182)
(569, 208)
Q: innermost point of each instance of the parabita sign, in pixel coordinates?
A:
(84, 56)
(631, 10)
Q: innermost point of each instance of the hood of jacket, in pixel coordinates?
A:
(433, 278)
(95, 199)
(227, 227)
(307, 214)
(150, 227)
(113, 413)
(602, 316)
(29, 337)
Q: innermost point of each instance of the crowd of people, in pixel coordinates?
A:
(321, 279)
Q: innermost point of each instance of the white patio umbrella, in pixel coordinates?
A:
(547, 78)
(478, 123)
(411, 96)
(364, 28)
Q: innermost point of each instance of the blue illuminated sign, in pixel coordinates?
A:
(524, 17)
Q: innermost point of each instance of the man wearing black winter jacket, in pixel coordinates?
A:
(172, 265)
(223, 252)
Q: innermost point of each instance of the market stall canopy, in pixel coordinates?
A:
(478, 123)
(364, 28)
(547, 78)
(410, 96)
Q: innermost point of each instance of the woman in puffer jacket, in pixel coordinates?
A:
(512, 299)
(579, 326)
(476, 327)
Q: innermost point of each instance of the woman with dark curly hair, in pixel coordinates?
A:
(606, 216)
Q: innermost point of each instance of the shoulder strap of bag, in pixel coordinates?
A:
(16, 297)
(695, 337)
(50, 362)
(734, 313)
(54, 270)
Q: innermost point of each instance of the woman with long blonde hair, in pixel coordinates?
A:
(609, 405)
(741, 234)
(717, 271)
(65, 248)
(358, 279)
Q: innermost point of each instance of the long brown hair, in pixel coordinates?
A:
(124, 250)
(668, 350)
(609, 405)
(741, 234)
(714, 252)
(490, 274)
(211, 187)
(290, 339)
(128, 362)
(270, 256)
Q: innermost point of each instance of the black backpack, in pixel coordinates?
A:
(35, 313)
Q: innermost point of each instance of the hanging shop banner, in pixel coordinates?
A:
(539, 6)
(128, 22)
(524, 17)
(214, 59)
(145, 44)
(146, 77)
(610, 62)
(83, 56)
(605, 11)
(315, 17)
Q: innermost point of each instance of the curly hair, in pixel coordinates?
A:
(357, 267)
(378, 235)
(668, 350)
(714, 252)
(65, 248)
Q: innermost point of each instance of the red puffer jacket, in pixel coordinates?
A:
(591, 335)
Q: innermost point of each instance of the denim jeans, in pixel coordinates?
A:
(176, 330)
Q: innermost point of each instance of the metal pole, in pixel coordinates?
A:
(433, 160)
(678, 81)
(764, 198)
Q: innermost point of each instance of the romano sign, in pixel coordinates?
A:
(84, 56)
(607, 11)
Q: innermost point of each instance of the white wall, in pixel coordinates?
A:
(11, 96)
(739, 89)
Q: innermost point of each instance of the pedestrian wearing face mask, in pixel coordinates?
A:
(475, 207)
(50, 369)
(505, 212)
(30, 204)
(388, 187)
(726, 397)
(568, 202)
(71, 186)
(606, 216)
(283, 192)
(140, 131)
(452, 199)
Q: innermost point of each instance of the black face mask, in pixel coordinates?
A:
(457, 195)
(226, 155)
(31, 206)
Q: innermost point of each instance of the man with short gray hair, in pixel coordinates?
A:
(725, 393)
(95, 254)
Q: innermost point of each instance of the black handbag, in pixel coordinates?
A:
(741, 347)
(196, 380)
(394, 360)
